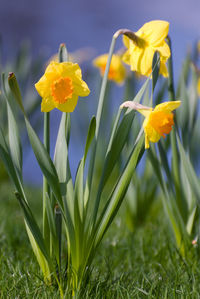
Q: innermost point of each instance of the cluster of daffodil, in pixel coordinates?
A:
(76, 214)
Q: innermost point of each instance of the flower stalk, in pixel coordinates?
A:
(46, 190)
(175, 157)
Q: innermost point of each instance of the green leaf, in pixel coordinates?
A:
(165, 164)
(155, 69)
(52, 220)
(61, 163)
(90, 136)
(119, 136)
(39, 255)
(61, 150)
(78, 197)
(117, 195)
(40, 151)
(30, 221)
(189, 171)
(44, 162)
(169, 203)
(13, 134)
(8, 163)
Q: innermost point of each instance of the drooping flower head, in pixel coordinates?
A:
(147, 40)
(117, 71)
(60, 86)
(158, 121)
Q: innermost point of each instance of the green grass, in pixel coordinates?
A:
(145, 264)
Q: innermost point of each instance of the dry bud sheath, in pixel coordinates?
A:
(134, 106)
(130, 34)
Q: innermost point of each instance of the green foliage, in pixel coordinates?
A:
(126, 265)
(68, 238)
(70, 207)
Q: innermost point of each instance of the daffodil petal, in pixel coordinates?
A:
(126, 57)
(69, 106)
(163, 69)
(150, 132)
(117, 71)
(146, 142)
(69, 69)
(43, 87)
(100, 60)
(47, 104)
(53, 71)
(164, 50)
(126, 41)
(135, 59)
(80, 87)
(154, 32)
(168, 106)
(146, 61)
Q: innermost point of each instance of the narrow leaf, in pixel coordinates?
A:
(156, 69)
(13, 134)
(189, 170)
(90, 136)
(119, 191)
(40, 151)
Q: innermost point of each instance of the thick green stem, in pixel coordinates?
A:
(46, 232)
(171, 90)
(100, 109)
(175, 156)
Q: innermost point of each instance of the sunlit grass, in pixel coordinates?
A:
(145, 264)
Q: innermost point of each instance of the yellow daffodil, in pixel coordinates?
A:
(198, 87)
(117, 71)
(147, 40)
(60, 86)
(158, 121)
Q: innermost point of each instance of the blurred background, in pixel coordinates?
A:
(88, 24)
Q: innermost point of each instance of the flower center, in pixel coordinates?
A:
(111, 73)
(62, 90)
(162, 122)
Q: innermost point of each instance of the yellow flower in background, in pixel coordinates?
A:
(198, 46)
(79, 56)
(117, 71)
(148, 39)
(60, 86)
(158, 121)
(198, 87)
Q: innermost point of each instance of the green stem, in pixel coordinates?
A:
(46, 190)
(100, 109)
(175, 156)
(171, 89)
(103, 87)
